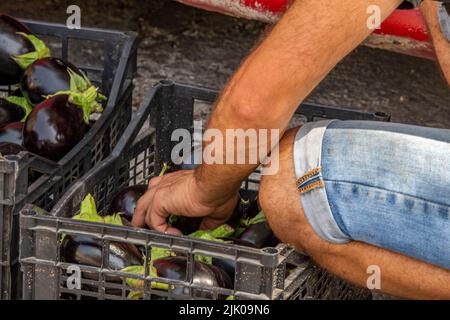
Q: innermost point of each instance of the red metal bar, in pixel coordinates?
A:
(404, 31)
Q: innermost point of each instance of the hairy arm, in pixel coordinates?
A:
(429, 10)
(299, 52)
(310, 39)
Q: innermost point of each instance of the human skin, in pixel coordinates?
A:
(441, 45)
(305, 45)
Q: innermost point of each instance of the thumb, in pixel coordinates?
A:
(159, 221)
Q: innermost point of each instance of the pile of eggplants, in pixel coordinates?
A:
(48, 113)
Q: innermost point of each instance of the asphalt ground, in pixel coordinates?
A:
(198, 47)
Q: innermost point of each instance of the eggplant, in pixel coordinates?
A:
(227, 265)
(7, 148)
(175, 268)
(86, 250)
(54, 127)
(46, 77)
(12, 133)
(126, 200)
(10, 112)
(12, 44)
(247, 208)
(258, 235)
(186, 225)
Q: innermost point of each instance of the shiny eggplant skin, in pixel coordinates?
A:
(175, 268)
(53, 128)
(126, 200)
(10, 112)
(86, 250)
(259, 235)
(12, 44)
(45, 77)
(7, 148)
(12, 133)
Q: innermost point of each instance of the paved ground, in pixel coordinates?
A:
(199, 47)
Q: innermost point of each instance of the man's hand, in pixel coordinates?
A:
(179, 193)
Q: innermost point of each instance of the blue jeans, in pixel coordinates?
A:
(384, 184)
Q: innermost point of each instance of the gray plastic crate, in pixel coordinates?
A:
(270, 273)
(109, 59)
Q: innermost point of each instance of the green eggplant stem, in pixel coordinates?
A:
(21, 102)
(41, 51)
(164, 169)
(83, 94)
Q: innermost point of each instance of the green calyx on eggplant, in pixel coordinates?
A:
(87, 250)
(126, 200)
(88, 212)
(54, 127)
(175, 268)
(15, 43)
(12, 133)
(52, 76)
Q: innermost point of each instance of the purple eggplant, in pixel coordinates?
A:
(126, 200)
(86, 250)
(12, 133)
(227, 265)
(175, 268)
(46, 77)
(10, 112)
(7, 148)
(54, 127)
(12, 44)
(258, 235)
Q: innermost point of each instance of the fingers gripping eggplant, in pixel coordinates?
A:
(126, 200)
(175, 268)
(46, 77)
(12, 133)
(54, 127)
(12, 44)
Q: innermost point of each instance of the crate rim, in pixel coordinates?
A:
(63, 224)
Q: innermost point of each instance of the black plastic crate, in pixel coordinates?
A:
(109, 59)
(270, 273)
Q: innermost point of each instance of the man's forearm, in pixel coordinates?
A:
(429, 10)
(299, 52)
